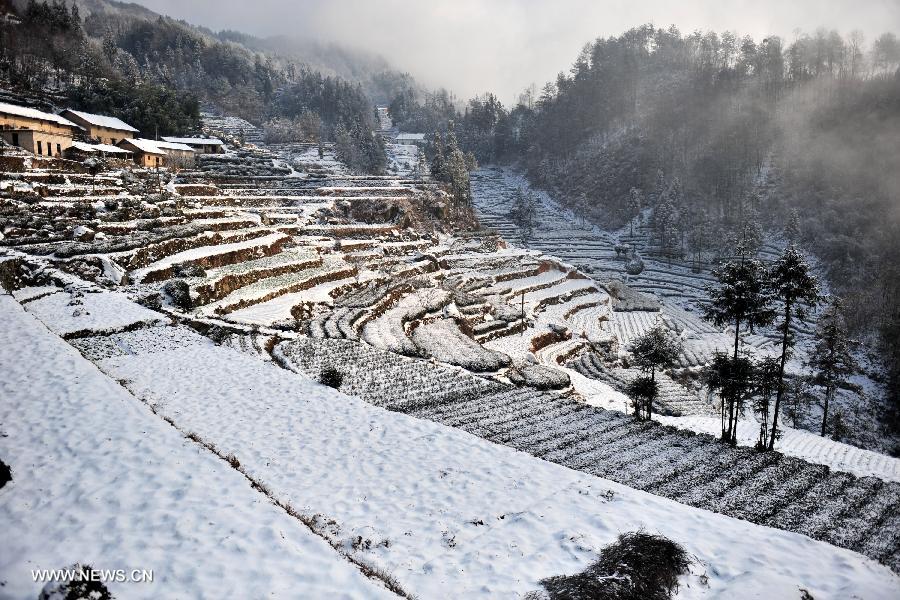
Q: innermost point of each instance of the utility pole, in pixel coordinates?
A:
(522, 313)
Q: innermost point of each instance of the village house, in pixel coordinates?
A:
(200, 145)
(416, 139)
(82, 150)
(104, 129)
(180, 156)
(153, 153)
(38, 132)
(146, 153)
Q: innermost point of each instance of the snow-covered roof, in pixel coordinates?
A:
(101, 120)
(418, 137)
(196, 141)
(145, 146)
(173, 146)
(156, 146)
(107, 148)
(33, 113)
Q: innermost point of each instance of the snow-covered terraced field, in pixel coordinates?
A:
(272, 243)
(428, 503)
(99, 478)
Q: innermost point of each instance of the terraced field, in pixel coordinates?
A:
(341, 268)
(765, 488)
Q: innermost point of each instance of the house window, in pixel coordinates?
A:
(15, 137)
(49, 149)
(58, 149)
(40, 148)
(157, 161)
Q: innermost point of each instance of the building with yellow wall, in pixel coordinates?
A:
(146, 153)
(103, 128)
(38, 132)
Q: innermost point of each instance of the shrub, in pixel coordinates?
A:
(179, 293)
(331, 377)
(188, 270)
(5, 474)
(89, 588)
(151, 301)
(637, 566)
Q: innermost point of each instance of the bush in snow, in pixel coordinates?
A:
(331, 377)
(539, 377)
(151, 301)
(84, 588)
(217, 334)
(637, 566)
(188, 270)
(5, 474)
(179, 293)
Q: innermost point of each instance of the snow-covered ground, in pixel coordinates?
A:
(68, 313)
(99, 479)
(449, 514)
(803, 444)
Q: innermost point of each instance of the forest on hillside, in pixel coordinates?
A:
(717, 138)
(155, 72)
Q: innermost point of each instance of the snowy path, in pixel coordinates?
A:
(447, 513)
(98, 478)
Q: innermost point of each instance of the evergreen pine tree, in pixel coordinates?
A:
(741, 298)
(797, 289)
(437, 158)
(831, 359)
(792, 227)
(765, 381)
(655, 349)
(635, 204)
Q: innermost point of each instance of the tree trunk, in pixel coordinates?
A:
(829, 393)
(764, 426)
(780, 393)
(726, 433)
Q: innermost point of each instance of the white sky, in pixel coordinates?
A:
(473, 46)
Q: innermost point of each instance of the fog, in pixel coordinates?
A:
(473, 46)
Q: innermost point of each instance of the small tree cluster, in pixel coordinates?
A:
(450, 165)
(749, 295)
(524, 211)
(832, 358)
(359, 148)
(655, 349)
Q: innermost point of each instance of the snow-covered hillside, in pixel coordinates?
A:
(442, 511)
(475, 442)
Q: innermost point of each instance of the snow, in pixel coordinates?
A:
(802, 444)
(98, 148)
(206, 251)
(194, 140)
(98, 478)
(32, 113)
(146, 146)
(278, 310)
(102, 120)
(452, 515)
(173, 146)
(77, 312)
